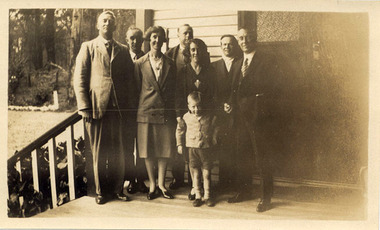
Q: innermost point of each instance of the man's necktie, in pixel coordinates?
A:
(244, 67)
(109, 48)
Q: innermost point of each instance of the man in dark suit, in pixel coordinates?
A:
(135, 171)
(255, 95)
(227, 68)
(184, 33)
(134, 38)
(106, 91)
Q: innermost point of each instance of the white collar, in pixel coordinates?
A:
(250, 55)
(227, 59)
(133, 54)
(105, 40)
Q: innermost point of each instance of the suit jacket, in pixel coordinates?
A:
(198, 132)
(224, 81)
(256, 95)
(156, 103)
(139, 55)
(98, 77)
(173, 52)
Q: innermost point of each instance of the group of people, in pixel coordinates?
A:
(176, 108)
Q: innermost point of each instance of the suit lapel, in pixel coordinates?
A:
(235, 69)
(164, 75)
(147, 68)
(256, 60)
(115, 50)
(100, 46)
(176, 50)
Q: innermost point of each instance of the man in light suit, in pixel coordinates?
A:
(105, 89)
(136, 172)
(255, 101)
(184, 33)
(226, 69)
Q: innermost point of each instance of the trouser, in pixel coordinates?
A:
(108, 149)
(201, 162)
(226, 152)
(134, 165)
(253, 151)
(178, 167)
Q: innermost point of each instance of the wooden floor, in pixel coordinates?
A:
(288, 203)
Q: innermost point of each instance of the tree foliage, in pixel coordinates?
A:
(43, 44)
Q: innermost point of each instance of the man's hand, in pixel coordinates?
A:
(181, 122)
(86, 115)
(227, 108)
(180, 149)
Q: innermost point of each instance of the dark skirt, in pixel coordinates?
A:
(156, 140)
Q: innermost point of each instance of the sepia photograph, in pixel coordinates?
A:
(193, 116)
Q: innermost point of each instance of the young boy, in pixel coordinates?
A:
(199, 136)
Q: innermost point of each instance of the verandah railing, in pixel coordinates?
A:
(47, 176)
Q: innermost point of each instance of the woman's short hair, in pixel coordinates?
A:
(154, 29)
(204, 55)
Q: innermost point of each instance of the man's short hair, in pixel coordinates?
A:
(227, 36)
(107, 12)
(133, 27)
(183, 26)
(154, 29)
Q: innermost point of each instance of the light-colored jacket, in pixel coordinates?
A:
(98, 77)
(198, 132)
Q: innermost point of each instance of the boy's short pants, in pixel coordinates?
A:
(201, 158)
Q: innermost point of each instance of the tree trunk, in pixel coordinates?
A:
(49, 35)
(37, 49)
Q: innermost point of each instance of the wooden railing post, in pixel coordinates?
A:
(71, 161)
(36, 182)
(19, 169)
(53, 171)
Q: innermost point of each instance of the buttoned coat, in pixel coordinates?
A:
(156, 103)
(96, 78)
(198, 132)
(256, 94)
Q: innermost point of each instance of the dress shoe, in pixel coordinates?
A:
(122, 196)
(132, 187)
(263, 205)
(99, 199)
(166, 194)
(191, 196)
(239, 197)
(141, 187)
(210, 202)
(176, 184)
(152, 195)
(197, 202)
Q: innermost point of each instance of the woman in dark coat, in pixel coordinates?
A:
(197, 75)
(156, 77)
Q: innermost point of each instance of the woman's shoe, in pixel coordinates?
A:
(166, 194)
(152, 195)
(191, 196)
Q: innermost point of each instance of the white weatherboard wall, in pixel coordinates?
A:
(208, 25)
